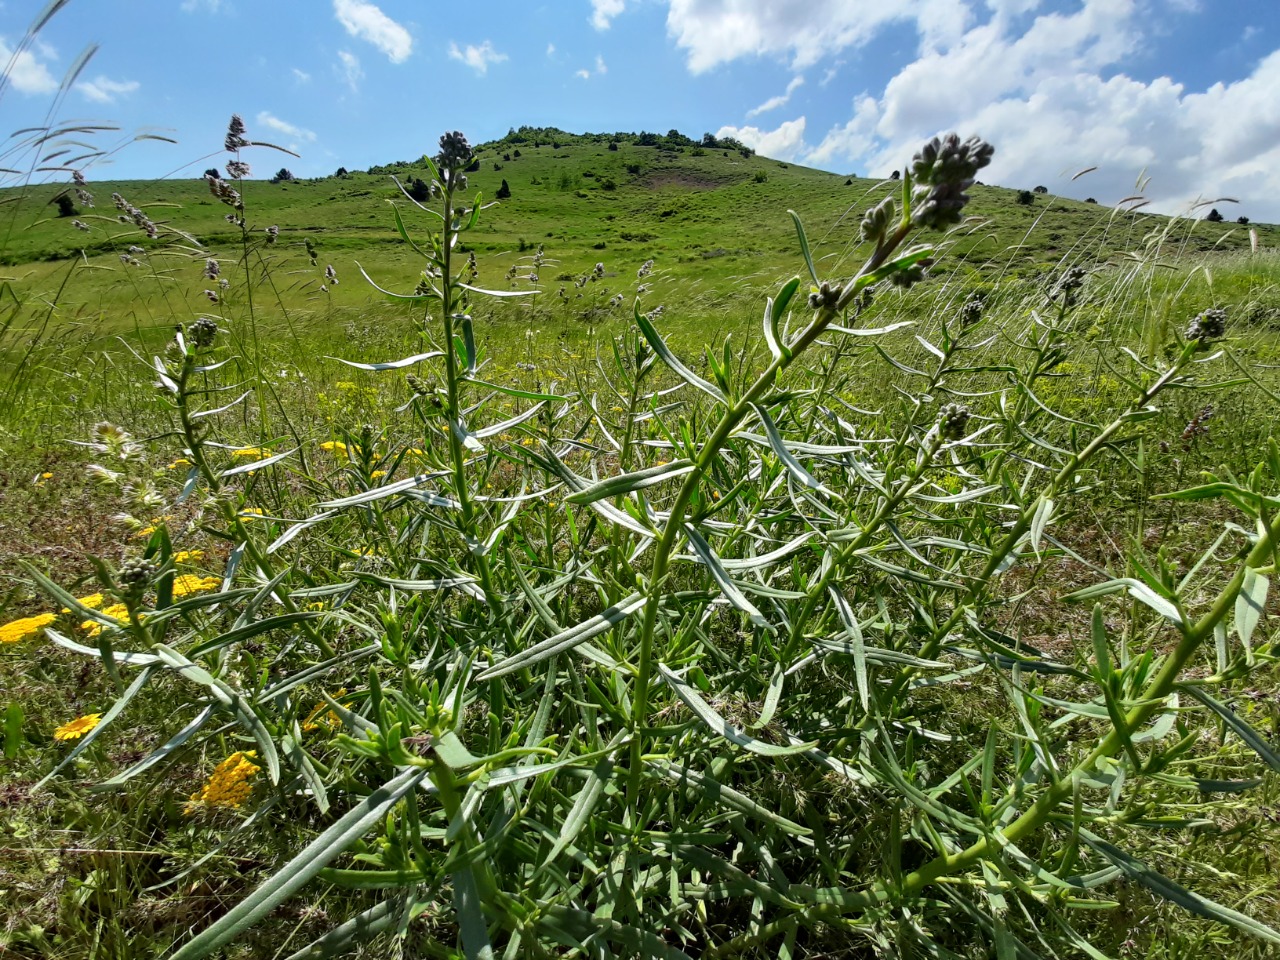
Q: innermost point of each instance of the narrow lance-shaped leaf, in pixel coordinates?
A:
(671, 360)
(1176, 893)
(302, 868)
(1251, 601)
(718, 724)
(567, 639)
(1256, 741)
(718, 573)
(627, 482)
(794, 467)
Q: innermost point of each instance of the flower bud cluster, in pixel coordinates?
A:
(826, 296)
(909, 276)
(1210, 325)
(1067, 286)
(455, 152)
(943, 170)
(134, 575)
(971, 311)
(877, 220)
(202, 332)
(237, 170)
(953, 421)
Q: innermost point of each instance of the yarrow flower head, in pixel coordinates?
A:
(189, 584)
(943, 170)
(229, 785)
(212, 268)
(16, 630)
(77, 728)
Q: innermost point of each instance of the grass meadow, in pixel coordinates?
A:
(691, 555)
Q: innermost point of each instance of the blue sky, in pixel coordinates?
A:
(1185, 92)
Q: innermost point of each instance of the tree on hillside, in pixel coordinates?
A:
(504, 191)
(1042, 190)
(896, 175)
(66, 206)
(1243, 221)
(1090, 200)
(213, 172)
(1026, 197)
(341, 172)
(282, 175)
(613, 145)
(419, 190)
(1214, 216)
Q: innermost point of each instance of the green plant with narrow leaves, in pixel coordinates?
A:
(707, 658)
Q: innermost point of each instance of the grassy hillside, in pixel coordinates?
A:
(714, 215)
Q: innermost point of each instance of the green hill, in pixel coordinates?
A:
(716, 214)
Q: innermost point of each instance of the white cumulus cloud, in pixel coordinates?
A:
(105, 90)
(272, 122)
(1045, 91)
(773, 103)
(349, 68)
(784, 143)
(366, 21)
(27, 73)
(603, 11)
(301, 75)
(477, 58)
(719, 31)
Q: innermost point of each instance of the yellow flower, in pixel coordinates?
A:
(188, 556)
(46, 476)
(322, 716)
(228, 785)
(78, 727)
(251, 453)
(187, 584)
(377, 473)
(180, 462)
(17, 630)
(117, 611)
(93, 601)
(333, 446)
(345, 385)
(249, 514)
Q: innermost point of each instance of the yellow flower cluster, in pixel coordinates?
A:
(93, 601)
(228, 785)
(188, 556)
(117, 611)
(322, 716)
(78, 727)
(251, 453)
(17, 630)
(333, 446)
(188, 584)
(249, 514)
